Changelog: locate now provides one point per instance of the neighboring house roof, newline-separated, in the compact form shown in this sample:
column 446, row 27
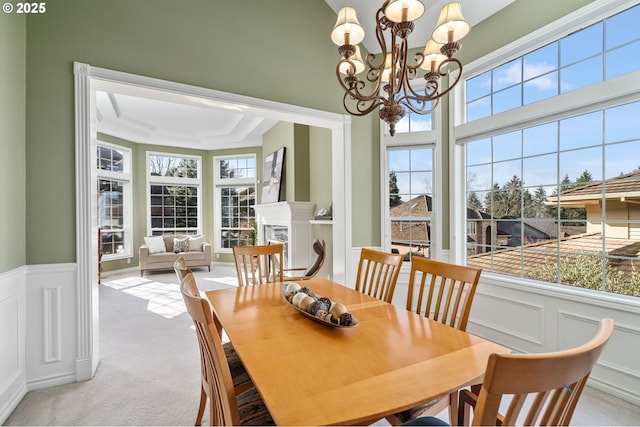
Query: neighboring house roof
column 419, row 206
column 624, row 187
column 409, row 220
column 519, row 230
column 533, row 255
column 511, row 226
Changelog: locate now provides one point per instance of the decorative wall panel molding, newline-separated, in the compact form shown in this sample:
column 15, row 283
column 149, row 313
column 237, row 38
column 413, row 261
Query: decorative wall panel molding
column 13, row 384
column 52, row 319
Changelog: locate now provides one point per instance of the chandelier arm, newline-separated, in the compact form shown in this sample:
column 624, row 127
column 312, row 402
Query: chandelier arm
column 406, row 73
column 432, row 86
column 360, row 109
column 455, row 82
column 375, row 71
column 352, row 85
column 435, row 102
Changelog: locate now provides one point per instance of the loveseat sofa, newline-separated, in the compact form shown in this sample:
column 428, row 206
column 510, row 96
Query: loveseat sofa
column 160, row 252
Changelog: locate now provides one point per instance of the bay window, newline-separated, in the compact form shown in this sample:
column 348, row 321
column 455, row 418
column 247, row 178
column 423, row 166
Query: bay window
column 234, row 198
column 174, row 192
column 113, row 172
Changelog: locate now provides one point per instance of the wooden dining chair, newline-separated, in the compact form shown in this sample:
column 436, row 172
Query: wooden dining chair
column 378, row 273
column 550, row 383
column 225, row 407
column 181, row 268
column 256, row 265
column 443, row 292
column 239, row 375
column 309, row 272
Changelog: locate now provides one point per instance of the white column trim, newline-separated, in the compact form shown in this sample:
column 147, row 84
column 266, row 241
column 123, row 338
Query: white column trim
column 87, row 327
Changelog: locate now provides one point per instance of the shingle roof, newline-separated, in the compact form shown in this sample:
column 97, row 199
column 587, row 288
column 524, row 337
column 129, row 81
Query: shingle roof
column 419, row 206
column 627, row 185
column 414, row 228
column 509, row 260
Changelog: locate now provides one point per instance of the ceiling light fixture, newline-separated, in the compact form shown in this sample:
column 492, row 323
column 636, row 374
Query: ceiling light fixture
column 389, row 79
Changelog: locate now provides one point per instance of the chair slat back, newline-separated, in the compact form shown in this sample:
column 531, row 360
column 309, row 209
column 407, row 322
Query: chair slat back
column 444, row 291
column 554, row 380
column 378, row 273
column 257, row 265
column 216, row 376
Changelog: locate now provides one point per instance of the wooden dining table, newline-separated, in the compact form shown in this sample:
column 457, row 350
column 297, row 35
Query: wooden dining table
column 309, row 373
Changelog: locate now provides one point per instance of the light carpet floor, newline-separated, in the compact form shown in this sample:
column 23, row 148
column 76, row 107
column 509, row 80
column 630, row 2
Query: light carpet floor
column 149, row 373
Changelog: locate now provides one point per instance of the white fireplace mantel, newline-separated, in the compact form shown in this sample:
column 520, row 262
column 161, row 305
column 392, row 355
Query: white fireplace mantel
column 295, row 216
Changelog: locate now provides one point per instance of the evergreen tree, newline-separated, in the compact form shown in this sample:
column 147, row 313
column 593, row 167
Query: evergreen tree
column 474, row 202
column 584, row 178
column 394, row 191
column 507, row 200
column 539, row 197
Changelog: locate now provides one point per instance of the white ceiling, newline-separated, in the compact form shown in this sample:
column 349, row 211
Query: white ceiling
column 155, row 117
column 151, row 118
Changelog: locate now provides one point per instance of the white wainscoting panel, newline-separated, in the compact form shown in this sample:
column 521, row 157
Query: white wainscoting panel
column 13, row 383
column 52, row 323
column 533, row 318
column 51, row 335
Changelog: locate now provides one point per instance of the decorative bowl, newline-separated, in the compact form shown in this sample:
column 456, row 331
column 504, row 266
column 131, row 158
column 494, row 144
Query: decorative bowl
column 354, row 323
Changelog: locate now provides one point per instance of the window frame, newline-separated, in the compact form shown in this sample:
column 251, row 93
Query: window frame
column 218, row 184
column 617, row 91
column 166, row 180
column 126, row 178
column 428, row 139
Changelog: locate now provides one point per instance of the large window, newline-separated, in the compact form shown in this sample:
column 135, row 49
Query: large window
column 410, row 199
column 408, row 180
column 553, row 192
column 602, row 51
column 174, row 193
column 114, row 200
column 235, row 196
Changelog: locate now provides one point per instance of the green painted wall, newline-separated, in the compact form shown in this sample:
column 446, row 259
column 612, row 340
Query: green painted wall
column 320, row 154
column 277, row 50
column 302, row 176
column 12, row 141
column 281, row 135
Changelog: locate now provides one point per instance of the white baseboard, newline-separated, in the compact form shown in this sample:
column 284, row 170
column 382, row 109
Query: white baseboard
column 85, row 369
column 9, row 403
column 51, row 381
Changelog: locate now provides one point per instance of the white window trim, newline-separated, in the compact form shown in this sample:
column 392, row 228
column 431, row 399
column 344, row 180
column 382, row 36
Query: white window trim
column 430, row 139
column 165, row 180
column 612, row 92
column 218, row 183
column 126, row 177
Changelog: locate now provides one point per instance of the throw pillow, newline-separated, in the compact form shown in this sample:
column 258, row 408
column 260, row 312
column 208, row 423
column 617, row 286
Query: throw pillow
column 155, row 244
column 180, row 245
column 195, row 243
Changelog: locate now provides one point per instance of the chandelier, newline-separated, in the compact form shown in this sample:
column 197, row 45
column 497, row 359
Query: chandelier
column 389, row 80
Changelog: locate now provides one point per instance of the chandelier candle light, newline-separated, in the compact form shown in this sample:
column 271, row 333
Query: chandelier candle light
column 390, row 77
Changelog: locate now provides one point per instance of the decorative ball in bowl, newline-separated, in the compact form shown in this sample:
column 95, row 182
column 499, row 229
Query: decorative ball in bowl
column 318, row 308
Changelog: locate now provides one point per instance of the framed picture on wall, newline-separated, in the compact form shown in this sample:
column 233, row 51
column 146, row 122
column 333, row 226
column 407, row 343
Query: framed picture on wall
column 272, row 176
